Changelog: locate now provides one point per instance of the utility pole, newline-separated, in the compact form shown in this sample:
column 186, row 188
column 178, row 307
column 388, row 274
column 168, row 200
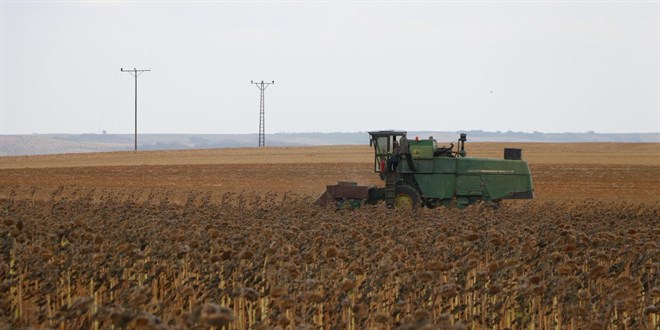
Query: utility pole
column 135, row 73
column 262, row 121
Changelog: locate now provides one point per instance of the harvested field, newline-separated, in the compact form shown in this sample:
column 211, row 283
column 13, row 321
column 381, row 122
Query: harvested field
column 227, row 238
column 603, row 171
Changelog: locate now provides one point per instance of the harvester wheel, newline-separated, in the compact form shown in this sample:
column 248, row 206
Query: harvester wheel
column 406, row 198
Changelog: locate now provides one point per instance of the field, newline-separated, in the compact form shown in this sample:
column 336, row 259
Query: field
column 228, row 238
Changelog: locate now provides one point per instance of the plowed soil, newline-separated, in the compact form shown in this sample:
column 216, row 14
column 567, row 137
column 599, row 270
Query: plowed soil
column 602, row 171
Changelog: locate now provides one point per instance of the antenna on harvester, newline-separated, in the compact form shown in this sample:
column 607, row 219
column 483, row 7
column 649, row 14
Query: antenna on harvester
column 135, row 73
column 262, row 122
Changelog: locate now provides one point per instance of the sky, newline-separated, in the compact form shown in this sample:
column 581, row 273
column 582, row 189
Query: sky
column 338, row 66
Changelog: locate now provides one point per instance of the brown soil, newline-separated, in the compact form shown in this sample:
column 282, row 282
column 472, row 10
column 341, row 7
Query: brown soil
column 603, row 171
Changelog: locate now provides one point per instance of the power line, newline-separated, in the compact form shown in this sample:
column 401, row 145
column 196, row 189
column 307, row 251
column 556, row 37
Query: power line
column 135, row 73
column 262, row 120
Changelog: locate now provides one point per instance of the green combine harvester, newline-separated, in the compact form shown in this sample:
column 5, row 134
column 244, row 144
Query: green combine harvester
column 419, row 173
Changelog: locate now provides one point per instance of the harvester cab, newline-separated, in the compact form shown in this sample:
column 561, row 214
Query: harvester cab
column 418, row 173
column 383, row 144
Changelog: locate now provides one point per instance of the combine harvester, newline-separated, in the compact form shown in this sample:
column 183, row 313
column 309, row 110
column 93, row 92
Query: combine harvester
column 417, row 172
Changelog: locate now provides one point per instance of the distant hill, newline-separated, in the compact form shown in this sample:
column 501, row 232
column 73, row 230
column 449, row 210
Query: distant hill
column 42, row 144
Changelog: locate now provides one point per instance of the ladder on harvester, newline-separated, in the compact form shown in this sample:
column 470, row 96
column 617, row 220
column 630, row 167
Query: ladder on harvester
column 390, row 188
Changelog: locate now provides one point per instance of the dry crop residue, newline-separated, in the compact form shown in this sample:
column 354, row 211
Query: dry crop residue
column 186, row 239
column 254, row 261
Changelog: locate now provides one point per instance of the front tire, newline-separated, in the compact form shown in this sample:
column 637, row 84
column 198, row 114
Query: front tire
column 406, row 198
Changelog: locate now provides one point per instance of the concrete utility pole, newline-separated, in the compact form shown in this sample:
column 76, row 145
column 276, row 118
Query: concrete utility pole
column 262, row 121
column 135, row 73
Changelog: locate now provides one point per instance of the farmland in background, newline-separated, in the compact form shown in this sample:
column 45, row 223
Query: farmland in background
column 228, row 238
column 606, row 171
column 43, row 144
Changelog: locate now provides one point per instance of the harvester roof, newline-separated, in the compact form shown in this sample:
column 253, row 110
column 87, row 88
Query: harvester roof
column 387, row 133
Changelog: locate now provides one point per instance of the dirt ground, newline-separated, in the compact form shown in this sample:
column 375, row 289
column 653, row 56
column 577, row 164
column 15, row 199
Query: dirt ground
column 561, row 171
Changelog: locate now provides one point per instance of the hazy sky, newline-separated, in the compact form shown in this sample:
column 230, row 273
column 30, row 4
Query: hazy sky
column 565, row 66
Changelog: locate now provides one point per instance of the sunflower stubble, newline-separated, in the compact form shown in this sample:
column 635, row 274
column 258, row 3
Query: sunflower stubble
column 271, row 260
